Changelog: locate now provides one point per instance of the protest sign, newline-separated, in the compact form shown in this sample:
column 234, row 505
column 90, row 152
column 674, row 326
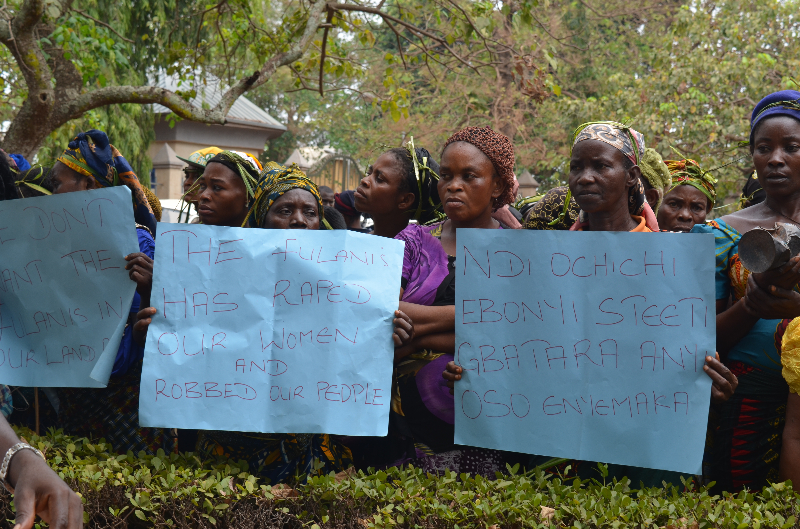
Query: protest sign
column 586, row 345
column 65, row 295
column 279, row 331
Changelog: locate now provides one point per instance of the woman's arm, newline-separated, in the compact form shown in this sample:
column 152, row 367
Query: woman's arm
column 430, row 320
column 444, row 342
column 37, row 489
column 790, row 448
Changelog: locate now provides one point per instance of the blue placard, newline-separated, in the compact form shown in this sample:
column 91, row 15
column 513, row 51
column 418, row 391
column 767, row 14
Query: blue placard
column 586, row 345
column 278, row 331
column 65, row 295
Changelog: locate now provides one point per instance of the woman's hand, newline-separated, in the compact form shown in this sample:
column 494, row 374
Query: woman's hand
column 140, row 270
column 773, row 303
column 451, row 374
column 39, row 490
column 143, row 319
column 403, row 329
column 723, row 381
column 786, row 277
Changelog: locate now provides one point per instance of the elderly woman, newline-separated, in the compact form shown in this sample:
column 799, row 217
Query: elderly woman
column 605, row 180
column 751, row 447
column 690, row 198
column 90, row 162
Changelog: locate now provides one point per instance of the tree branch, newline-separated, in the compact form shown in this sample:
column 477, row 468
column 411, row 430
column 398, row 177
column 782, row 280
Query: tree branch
column 407, row 25
column 328, row 20
column 81, row 13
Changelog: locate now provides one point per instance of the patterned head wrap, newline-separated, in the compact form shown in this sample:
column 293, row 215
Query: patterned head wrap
column 245, row 166
column 688, row 173
column 624, row 139
column 656, row 173
column 500, row 151
column 782, row 103
column 92, row 155
column 545, row 214
column 198, row 159
column 621, row 137
column 275, row 180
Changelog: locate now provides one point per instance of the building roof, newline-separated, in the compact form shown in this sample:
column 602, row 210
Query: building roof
column 526, row 179
column 307, row 157
column 243, row 111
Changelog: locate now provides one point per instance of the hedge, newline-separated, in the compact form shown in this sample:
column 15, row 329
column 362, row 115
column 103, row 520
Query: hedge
column 184, row 491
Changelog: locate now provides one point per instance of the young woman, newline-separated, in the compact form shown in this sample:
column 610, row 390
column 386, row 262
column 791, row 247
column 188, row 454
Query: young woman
column 690, row 198
column 399, row 186
column 89, row 162
column 605, row 180
column 37, row 489
column 753, row 311
column 281, row 198
column 476, row 177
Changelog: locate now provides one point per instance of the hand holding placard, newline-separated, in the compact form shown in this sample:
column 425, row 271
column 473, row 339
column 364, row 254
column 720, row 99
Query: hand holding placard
column 64, row 293
column 585, row 345
column 278, row 331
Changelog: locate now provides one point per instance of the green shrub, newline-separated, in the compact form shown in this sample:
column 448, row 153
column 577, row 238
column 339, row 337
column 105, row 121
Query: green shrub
column 184, row 491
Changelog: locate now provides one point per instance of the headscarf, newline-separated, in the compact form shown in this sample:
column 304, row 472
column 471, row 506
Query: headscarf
column 782, row 103
column 688, row 173
column 656, row 173
column 241, row 164
column 22, row 164
column 423, row 183
column 154, row 202
column 92, row 155
column 35, row 178
column 198, row 159
column 545, row 214
column 630, row 143
column 621, row 137
column 345, row 203
column 752, row 192
column 500, row 151
column 274, row 181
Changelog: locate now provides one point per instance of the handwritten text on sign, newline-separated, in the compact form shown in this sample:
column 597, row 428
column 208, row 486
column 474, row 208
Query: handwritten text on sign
column 64, row 293
column 586, row 345
column 281, row 331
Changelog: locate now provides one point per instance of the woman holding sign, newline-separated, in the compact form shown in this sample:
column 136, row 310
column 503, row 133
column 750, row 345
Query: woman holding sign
column 605, row 180
column 281, row 198
column 89, row 162
column 476, row 177
column 753, row 311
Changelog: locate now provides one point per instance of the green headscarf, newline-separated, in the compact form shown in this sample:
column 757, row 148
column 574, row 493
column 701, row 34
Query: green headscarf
column 274, row 181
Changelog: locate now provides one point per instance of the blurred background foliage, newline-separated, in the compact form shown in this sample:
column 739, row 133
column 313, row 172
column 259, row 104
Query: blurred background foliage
column 684, row 73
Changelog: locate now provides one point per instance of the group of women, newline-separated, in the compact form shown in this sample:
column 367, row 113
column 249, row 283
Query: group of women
column 615, row 184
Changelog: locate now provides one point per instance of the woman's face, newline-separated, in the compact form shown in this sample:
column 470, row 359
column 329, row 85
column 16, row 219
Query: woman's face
column 776, row 155
column 682, row 208
column 379, row 191
column 598, row 178
column 221, row 197
column 297, row 209
column 188, row 182
column 468, row 184
column 66, row 180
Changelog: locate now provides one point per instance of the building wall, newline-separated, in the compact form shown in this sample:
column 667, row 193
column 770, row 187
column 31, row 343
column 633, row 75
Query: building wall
column 187, row 136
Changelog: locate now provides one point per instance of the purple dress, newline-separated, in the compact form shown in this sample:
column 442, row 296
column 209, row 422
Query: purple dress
column 422, row 407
